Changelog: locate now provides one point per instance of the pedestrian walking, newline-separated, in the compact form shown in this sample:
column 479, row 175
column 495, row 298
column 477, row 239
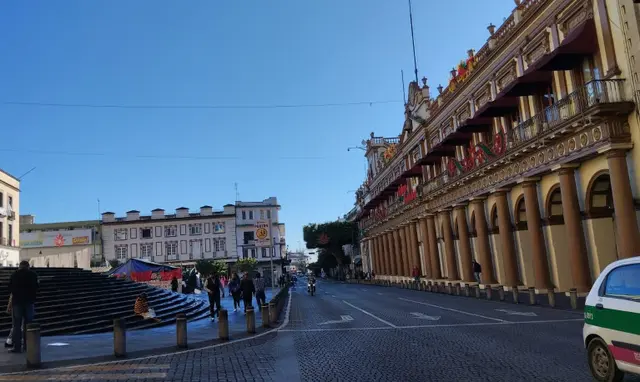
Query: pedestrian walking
column 416, row 274
column 259, row 287
column 235, row 291
column 477, row 270
column 247, row 288
column 214, row 288
column 23, row 287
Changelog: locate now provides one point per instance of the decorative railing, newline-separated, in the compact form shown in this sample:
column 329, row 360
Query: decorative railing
column 544, row 123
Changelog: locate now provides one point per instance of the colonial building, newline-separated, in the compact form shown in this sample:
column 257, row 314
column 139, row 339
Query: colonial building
column 247, row 214
column 64, row 244
column 9, row 224
column 524, row 162
column 180, row 238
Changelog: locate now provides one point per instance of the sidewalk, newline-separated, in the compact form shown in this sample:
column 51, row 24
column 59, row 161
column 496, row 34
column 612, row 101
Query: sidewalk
column 72, row 349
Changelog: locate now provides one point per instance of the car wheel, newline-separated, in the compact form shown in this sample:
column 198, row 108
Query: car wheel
column 601, row 363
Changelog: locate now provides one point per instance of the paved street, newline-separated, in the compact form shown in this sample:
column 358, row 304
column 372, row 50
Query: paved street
column 367, row 333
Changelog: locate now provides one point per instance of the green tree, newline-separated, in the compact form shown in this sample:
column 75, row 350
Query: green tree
column 211, row 267
column 247, row 265
column 329, row 239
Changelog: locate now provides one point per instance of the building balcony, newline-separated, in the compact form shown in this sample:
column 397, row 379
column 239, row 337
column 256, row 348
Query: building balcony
column 594, row 102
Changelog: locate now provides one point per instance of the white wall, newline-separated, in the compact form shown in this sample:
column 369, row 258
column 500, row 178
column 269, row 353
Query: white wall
column 10, row 187
column 247, row 214
column 200, row 246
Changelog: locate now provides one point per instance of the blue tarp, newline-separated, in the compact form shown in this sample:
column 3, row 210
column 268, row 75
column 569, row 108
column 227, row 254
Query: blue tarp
column 138, row 265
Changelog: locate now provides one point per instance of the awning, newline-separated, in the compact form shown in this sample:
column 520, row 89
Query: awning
column 580, row 42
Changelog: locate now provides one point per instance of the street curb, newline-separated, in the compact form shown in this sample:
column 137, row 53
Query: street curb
column 146, row 354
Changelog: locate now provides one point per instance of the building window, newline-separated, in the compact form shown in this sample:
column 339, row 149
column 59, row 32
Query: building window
column 183, row 229
column 252, row 253
column 10, row 234
column 134, row 233
column 261, row 214
column 171, row 231
column 134, row 250
column 264, row 252
column 183, row 246
column 248, row 237
column 145, row 233
column 158, row 231
column 250, row 215
column 1, row 199
column 268, row 214
column 244, row 213
column 195, row 229
column 220, row 245
column 146, row 249
column 120, row 234
column 207, row 228
column 171, row 248
column 10, row 201
column 158, row 248
column 121, row 251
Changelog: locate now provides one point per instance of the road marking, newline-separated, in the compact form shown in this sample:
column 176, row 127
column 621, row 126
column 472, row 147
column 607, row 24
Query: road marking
column 423, row 316
column 334, row 296
column 515, row 313
column 370, row 314
column 342, row 319
column 453, row 310
column 58, row 344
column 506, row 323
column 380, row 294
column 84, row 377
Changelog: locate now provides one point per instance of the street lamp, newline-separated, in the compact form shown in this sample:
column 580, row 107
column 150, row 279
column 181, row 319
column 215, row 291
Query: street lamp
column 357, row 147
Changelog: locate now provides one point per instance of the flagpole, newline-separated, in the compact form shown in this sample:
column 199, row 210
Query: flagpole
column 413, row 43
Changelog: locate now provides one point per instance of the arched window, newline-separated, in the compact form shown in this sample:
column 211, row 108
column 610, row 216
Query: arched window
column 472, row 225
column 521, row 214
column 494, row 220
column 600, row 196
column 554, row 206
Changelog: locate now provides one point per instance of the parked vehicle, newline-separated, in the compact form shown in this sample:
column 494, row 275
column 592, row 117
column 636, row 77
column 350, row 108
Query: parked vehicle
column 611, row 330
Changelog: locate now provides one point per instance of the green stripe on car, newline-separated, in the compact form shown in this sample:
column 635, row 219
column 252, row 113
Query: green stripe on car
column 619, row 320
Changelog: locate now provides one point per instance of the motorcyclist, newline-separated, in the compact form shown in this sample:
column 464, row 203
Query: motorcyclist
column 312, row 282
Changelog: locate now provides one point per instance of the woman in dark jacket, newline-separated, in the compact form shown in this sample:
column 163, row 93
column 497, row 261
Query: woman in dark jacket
column 247, row 288
column 235, row 291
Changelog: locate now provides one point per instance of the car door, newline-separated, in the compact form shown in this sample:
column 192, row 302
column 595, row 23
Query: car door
column 617, row 312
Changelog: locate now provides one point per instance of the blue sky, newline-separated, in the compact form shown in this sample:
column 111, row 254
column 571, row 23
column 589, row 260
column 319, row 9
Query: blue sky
column 223, row 53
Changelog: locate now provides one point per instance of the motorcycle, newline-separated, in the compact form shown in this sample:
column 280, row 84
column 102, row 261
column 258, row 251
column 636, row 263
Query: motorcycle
column 311, row 287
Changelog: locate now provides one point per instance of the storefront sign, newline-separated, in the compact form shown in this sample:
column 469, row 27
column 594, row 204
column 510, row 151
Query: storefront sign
column 56, row 238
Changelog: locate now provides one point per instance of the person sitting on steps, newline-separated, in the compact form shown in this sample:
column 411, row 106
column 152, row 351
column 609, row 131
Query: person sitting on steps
column 141, row 308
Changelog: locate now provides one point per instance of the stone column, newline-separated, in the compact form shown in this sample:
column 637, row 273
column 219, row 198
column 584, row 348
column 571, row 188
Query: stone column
column 483, row 249
column 436, row 273
column 625, row 213
column 450, row 250
column 398, row 252
column 415, row 252
column 576, row 244
column 388, row 248
column 404, row 243
column 506, row 238
column 424, row 232
column 383, row 258
column 465, row 247
column 534, row 226
column 378, row 254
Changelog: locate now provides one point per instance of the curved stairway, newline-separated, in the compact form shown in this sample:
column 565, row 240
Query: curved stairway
column 77, row 301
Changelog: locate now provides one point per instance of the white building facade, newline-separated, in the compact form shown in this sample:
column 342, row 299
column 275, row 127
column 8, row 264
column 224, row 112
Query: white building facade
column 247, row 214
column 179, row 239
column 9, row 221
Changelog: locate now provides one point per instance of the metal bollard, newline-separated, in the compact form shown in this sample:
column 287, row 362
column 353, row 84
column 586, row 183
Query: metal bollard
column 514, row 292
column 477, row 288
column 32, row 345
column 487, row 289
column 573, row 295
column 449, row 288
column 443, row 287
column 501, row 292
column 532, row 296
column 181, row 330
column 428, row 286
column 458, row 290
column 264, row 313
column 251, row 320
column 119, row 338
column 223, row 325
column 467, row 292
column 273, row 313
column 551, row 295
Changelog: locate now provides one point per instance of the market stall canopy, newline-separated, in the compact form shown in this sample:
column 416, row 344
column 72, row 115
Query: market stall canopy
column 138, row 266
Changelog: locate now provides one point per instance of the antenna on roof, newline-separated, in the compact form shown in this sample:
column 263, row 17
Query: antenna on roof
column 413, row 43
column 404, row 94
column 237, row 195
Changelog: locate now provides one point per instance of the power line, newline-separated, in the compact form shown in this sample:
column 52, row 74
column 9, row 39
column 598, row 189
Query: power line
column 193, row 107
column 155, row 156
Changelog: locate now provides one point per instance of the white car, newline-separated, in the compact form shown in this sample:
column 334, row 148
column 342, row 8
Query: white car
column 611, row 330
